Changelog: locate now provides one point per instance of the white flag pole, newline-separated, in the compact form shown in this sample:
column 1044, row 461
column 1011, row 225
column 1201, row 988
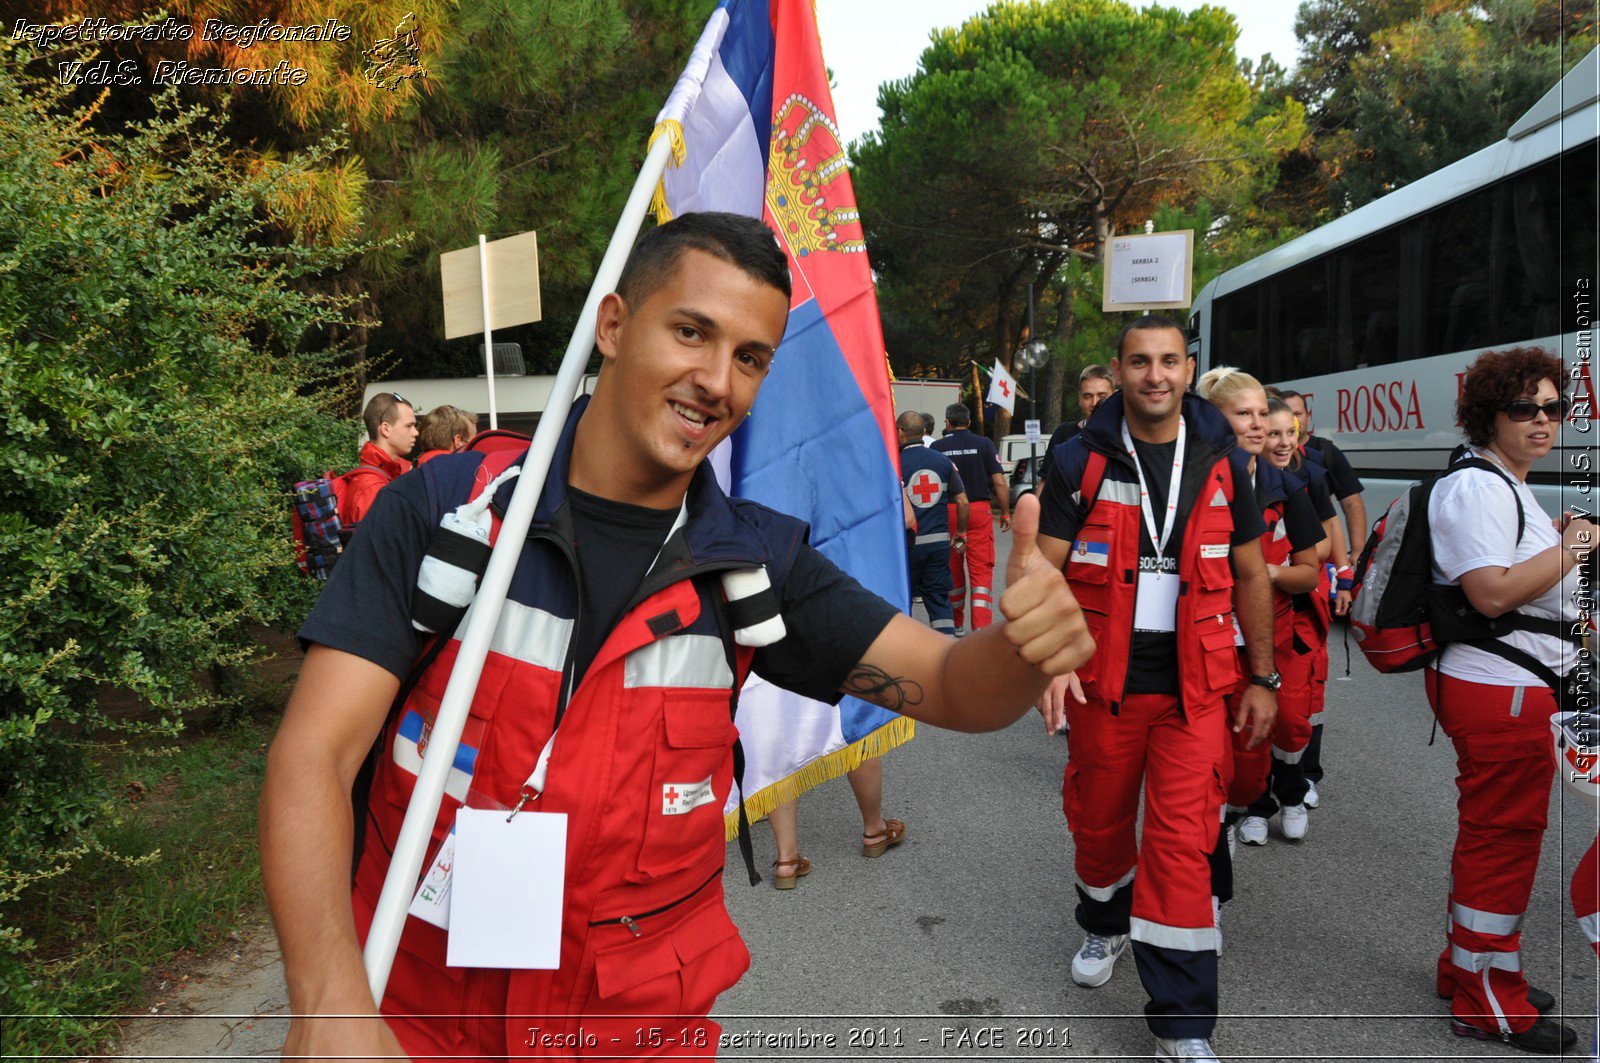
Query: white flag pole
column 398, row 886
column 488, row 330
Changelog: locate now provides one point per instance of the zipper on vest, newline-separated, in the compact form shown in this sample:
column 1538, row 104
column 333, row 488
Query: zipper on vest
column 632, row 921
column 569, row 665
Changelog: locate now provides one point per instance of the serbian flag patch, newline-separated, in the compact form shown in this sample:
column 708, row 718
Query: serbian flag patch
column 1087, row 552
column 411, row 743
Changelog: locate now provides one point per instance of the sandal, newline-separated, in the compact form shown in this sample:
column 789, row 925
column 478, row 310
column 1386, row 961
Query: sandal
column 892, row 834
column 802, row 868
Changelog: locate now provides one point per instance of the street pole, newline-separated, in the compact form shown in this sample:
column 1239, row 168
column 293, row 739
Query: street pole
column 1033, row 390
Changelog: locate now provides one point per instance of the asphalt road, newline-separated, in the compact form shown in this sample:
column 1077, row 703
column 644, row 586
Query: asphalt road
column 958, row 943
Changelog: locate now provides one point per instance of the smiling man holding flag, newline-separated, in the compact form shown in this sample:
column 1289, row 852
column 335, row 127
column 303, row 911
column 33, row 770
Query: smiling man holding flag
column 598, row 753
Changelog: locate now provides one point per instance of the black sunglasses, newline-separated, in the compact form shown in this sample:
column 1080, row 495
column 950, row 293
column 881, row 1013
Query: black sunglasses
column 396, row 396
column 1526, row 410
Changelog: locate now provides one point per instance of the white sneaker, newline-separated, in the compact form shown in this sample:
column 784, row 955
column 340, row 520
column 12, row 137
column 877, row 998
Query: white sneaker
column 1311, row 794
column 1094, row 961
column 1185, row 1048
column 1253, row 830
column 1295, row 820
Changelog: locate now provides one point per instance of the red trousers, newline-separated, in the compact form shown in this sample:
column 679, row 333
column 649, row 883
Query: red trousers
column 977, row 561
column 1179, row 755
column 1504, row 768
column 1278, row 758
column 1586, row 894
column 625, row 995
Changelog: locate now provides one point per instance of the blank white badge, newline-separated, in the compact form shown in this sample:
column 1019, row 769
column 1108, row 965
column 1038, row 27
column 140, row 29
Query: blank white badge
column 506, row 893
column 1156, row 607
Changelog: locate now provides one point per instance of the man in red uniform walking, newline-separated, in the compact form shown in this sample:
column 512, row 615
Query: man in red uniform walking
column 391, row 434
column 615, row 715
column 1151, row 512
column 972, row 568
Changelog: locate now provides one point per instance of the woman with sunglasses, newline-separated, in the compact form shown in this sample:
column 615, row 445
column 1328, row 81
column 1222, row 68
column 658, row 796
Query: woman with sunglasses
column 1497, row 712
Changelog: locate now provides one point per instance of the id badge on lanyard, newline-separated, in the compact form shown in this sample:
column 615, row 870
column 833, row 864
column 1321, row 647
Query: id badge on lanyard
column 1156, row 601
column 497, row 885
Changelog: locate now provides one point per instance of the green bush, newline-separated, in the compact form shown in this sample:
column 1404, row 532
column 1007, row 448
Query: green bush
column 160, row 388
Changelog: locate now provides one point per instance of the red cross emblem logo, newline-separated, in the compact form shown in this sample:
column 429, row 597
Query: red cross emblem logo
column 1005, row 388
column 672, row 795
column 925, row 488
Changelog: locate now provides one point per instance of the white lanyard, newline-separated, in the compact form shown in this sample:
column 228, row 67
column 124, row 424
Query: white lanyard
column 1176, row 482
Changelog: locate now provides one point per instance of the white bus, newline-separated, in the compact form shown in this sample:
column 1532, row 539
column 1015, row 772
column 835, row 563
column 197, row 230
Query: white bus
column 1375, row 317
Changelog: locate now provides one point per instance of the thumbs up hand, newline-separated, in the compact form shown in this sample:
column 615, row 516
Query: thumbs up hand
column 1043, row 620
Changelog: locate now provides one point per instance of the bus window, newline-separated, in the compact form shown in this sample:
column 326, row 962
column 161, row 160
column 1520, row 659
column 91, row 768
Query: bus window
column 1369, row 310
column 1530, row 298
column 1304, row 343
column 1236, row 330
column 1580, row 258
column 1458, row 290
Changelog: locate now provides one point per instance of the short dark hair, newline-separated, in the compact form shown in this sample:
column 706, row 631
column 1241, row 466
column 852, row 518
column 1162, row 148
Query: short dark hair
column 1150, row 321
column 957, row 414
column 1289, row 393
column 380, row 411
column 736, row 239
column 909, row 421
column 1498, row 378
column 927, row 424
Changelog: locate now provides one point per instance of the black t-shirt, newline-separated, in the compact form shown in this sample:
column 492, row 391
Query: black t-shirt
column 1321, row 500
column 1153, row 656
column 1064, row 431
column 365, row 607
column 1300, row 520
column 1342, row 477
column 616, row 544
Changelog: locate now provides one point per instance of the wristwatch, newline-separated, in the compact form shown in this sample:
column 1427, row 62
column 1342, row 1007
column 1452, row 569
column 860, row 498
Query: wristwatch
column 1272, row 680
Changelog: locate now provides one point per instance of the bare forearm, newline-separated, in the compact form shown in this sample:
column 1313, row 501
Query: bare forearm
column 1355, row 515
column 985, row 685
column 1252, row 603
column 1294, row 578
column 1493, row 592
column 306, row 834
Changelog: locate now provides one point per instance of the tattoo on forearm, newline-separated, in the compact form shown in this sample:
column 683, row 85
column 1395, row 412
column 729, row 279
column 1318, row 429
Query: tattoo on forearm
column 873, row 684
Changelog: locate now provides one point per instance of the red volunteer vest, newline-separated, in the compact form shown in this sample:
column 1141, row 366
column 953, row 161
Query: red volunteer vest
column 1102, row 569
column 642, row 765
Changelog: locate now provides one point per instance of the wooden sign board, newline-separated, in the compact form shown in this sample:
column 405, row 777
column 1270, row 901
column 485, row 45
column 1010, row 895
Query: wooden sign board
column 1153, row 271
column 513, row 285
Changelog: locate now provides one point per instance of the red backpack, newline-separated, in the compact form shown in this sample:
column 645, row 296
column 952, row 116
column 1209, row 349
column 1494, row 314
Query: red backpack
column 320, row 528
column 1402, row 620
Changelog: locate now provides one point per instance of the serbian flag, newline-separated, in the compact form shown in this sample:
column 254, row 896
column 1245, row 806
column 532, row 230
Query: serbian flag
column 752, row 128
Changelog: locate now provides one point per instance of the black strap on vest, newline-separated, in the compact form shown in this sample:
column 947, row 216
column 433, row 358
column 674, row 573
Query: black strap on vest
column 719, row 609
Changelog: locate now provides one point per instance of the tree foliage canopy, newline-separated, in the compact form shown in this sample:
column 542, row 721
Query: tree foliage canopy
column 1029, row 135
column 157, row 396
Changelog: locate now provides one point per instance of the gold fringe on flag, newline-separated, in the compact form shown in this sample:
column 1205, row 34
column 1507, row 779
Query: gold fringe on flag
column 759, row 805
column 673, row 129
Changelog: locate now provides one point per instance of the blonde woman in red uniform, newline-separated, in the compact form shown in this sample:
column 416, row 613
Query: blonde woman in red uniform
column 1263, row 778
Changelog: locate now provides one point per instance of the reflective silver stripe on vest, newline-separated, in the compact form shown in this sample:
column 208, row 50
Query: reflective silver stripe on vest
column 1105, row 893
column 526, row 634
column 1591, row 927
column 1481, row 922
column 1219, row 499
column 679, row 661
column 1183, row 938
column 1120, row 492
column 933, row 537
column 1283, row 756
column 1483, row 961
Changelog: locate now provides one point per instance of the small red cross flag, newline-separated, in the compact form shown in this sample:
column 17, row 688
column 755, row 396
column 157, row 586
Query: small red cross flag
column 1003, row 388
